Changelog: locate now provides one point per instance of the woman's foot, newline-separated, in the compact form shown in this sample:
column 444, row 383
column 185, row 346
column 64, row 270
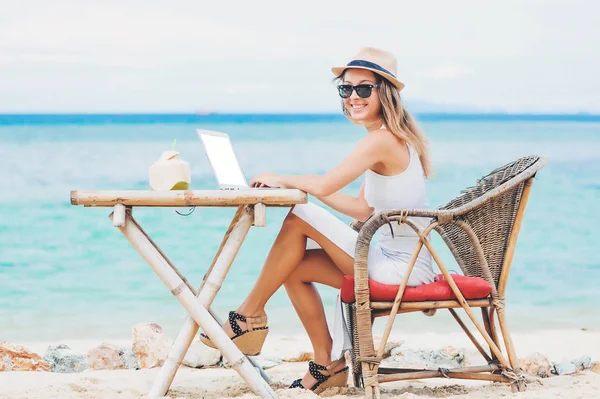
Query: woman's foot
column 320, row 377
column 248, row 333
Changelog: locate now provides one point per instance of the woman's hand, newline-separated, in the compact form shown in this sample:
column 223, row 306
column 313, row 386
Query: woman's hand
column 267, row 179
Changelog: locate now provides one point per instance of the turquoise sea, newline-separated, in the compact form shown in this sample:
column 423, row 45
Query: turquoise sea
column 67, row 273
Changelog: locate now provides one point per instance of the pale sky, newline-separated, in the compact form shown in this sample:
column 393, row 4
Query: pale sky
column 275, row 56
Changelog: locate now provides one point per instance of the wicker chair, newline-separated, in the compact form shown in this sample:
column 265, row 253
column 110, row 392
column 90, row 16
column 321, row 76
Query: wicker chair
column 480, row 227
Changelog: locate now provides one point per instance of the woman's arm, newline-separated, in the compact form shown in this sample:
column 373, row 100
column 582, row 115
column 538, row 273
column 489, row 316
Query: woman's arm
column 369, row 151
column 355, row 207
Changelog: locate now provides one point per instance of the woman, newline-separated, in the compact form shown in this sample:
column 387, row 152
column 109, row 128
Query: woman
column 393, row 155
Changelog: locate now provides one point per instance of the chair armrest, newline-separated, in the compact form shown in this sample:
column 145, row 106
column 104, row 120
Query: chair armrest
column 431, row 213
column 357, row 224
column 365, row 235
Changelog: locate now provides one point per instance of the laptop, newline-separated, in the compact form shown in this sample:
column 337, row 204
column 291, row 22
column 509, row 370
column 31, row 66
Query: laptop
column 224, row 162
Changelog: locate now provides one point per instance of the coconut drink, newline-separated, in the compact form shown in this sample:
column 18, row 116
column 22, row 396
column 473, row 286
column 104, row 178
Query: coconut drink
column 170, row 172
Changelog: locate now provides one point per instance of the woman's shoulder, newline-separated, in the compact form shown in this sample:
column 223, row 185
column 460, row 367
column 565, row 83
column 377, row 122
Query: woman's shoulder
column 388, row 139
column 384, row 137
column 386, row 144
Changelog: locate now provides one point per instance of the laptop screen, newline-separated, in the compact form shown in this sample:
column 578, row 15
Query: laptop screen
column 222, row 159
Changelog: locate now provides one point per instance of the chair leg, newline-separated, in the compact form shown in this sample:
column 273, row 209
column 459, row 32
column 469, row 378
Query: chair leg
column 371, row 383
column 518, row 385
column 357, row 376
column 367, row 354
column 488, row 322
column 355, row 355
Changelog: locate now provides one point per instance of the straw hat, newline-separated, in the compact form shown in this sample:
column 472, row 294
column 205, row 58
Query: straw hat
column 375, row 60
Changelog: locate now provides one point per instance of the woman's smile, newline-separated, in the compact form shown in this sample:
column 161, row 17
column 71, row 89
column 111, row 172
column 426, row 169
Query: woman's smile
column 358, row 107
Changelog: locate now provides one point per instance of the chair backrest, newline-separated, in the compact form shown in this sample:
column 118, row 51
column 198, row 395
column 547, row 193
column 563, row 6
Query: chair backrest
column 490, row 209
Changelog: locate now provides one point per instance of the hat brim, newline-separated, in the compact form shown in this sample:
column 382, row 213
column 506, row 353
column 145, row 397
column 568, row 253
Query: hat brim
column 337, row 71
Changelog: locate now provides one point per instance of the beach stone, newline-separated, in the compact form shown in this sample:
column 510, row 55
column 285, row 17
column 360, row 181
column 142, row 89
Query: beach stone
column 63, row 359
column 536, row 364
column 130, row 360
column 150, row 344
column 472, row 357
column 389, row 347
column 396, row 351
column 105, row 357
column 18, row 358
column 301, row 357
column 564, row 368
column 595, row 368
column 582, row 363
column 200, row 355
column 451, row 352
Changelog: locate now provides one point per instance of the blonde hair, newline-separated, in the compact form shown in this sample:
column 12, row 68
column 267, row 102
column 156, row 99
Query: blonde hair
column 399, row 121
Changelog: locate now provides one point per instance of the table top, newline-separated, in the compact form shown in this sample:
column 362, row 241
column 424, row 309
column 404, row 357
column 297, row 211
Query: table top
column 183, row 198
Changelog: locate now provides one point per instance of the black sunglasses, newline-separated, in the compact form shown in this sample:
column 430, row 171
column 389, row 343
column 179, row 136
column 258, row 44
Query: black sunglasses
column 363, row 91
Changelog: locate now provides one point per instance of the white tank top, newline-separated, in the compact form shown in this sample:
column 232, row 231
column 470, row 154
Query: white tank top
column 406, row 190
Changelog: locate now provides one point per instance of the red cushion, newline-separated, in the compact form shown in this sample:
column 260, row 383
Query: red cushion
column 439, row 290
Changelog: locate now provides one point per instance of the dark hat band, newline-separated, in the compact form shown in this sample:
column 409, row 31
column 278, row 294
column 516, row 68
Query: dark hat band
column 368, row 64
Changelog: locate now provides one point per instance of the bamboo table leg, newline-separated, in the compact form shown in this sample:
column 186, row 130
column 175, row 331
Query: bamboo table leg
column 172, row 279
column 213, row 279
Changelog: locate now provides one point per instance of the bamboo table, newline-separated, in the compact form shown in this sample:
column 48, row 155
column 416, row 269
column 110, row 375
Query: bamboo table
column 251, row 210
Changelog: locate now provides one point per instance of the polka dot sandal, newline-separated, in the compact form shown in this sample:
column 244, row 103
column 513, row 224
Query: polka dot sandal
column 249, row 341
column 327, row 380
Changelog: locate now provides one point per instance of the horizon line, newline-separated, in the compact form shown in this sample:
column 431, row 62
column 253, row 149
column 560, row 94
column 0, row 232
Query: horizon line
column 93, row 118
column 276, row 113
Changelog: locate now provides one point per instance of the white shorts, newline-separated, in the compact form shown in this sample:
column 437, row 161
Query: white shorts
column 384, row 266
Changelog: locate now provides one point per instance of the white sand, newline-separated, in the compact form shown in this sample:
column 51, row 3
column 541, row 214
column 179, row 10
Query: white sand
column 220, row 382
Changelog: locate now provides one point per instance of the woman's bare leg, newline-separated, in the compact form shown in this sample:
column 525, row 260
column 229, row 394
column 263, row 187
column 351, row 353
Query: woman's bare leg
column 287, row 252
column 315, row 267
column 285, row 255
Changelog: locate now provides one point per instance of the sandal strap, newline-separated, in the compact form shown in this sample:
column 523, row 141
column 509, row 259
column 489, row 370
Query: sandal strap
column 297, row 384
column 334, row 364
column 256, row 322
column 233, row 317
column 314, row 370
column 251, row 322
